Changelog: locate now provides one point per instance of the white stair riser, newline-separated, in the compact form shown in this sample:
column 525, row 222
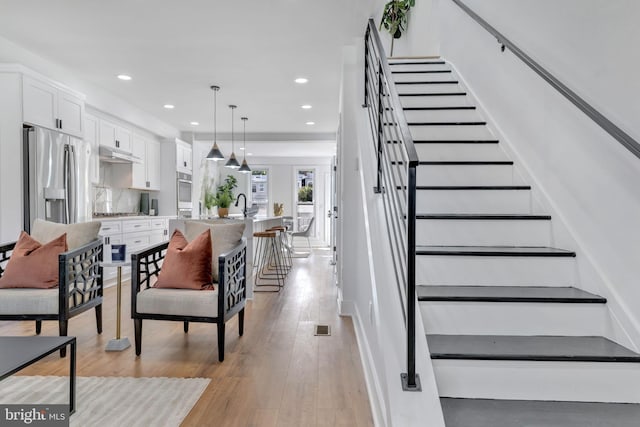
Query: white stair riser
column 483, row 232
column 419, row 67
column 450, row 132
column 522, row 380
column 429, row 88
column 508, row 318
column 496, row 271
column 474, row 201
column 460, row 152
column 424, row 77
column 433, row 101
column 465, row 175
column 442, row 115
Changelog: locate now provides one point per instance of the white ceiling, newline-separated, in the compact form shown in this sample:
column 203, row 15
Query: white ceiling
column 175, row 50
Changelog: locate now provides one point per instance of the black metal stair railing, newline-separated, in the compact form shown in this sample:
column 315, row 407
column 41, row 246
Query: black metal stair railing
column 396, row 182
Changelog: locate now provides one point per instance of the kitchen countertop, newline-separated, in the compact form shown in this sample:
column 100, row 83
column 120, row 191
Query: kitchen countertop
column 127, row 217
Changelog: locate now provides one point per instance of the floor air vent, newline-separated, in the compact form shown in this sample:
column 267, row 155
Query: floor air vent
column 323, row 330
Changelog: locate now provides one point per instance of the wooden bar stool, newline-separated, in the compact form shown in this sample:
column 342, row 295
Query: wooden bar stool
column 268, row 262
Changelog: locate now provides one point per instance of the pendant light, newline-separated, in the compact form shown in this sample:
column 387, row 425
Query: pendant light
column 232, row 162
column 215, row 153
column 245, row 166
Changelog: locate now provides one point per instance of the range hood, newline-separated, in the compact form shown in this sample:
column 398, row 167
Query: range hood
column 114, row 155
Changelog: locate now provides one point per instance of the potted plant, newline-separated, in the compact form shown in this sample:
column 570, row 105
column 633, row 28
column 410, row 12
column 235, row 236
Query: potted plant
column 394, row 18
column 224, row 196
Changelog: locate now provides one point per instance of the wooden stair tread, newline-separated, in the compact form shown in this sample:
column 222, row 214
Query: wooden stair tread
column 496, row 217
column 530, row 348
column 547, row 294
column 512, row 413
column 519, row 251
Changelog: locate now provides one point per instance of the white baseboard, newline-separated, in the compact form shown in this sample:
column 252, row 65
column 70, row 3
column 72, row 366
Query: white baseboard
column 374, row 389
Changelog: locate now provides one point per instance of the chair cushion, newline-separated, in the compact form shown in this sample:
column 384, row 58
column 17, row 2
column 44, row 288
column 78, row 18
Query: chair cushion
column 32, row 264
column 186, row 265
column 78, row 234
column 178, row 302
column 29, row 301
column 224, row 237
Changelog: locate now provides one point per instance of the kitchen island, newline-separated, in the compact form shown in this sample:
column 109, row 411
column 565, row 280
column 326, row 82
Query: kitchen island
column 251, row 226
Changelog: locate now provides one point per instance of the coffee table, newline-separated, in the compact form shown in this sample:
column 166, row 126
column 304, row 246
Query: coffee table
column 16, row 353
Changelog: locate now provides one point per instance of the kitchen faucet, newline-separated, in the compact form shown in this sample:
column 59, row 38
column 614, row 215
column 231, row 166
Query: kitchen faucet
column 244, row 211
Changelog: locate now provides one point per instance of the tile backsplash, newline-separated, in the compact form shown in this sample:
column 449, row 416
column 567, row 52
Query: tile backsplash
column 110, row 200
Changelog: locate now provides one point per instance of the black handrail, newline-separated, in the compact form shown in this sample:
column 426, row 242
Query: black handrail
column 397, row 160
column 606, row 124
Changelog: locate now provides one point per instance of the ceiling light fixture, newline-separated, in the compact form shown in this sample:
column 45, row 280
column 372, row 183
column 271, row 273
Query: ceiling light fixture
column 245, row 166
column 306, row 107
column 169, row 106
column 215, row 153
column 232, row 162
column 124, row 77
column 194, row 123
column 301, row 80
column 310, row 123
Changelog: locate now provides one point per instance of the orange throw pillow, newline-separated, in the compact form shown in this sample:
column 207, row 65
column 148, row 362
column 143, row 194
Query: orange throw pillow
column 32, row 264
column 186, row 265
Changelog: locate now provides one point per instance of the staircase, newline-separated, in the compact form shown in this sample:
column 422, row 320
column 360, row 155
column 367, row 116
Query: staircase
column 513, row 339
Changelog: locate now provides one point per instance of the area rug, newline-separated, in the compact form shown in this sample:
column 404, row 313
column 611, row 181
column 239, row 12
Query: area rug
column 111, row 401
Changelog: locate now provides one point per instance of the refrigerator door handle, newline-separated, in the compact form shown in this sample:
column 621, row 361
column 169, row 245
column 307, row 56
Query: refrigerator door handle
column 73, row 199
column 66, row 179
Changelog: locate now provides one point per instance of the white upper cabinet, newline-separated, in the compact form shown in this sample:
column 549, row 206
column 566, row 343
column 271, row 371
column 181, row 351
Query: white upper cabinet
column 112, row 135
column 45, row 105
column 91, row 136
column 184, row 162
column 70, row 109
column 146, row 175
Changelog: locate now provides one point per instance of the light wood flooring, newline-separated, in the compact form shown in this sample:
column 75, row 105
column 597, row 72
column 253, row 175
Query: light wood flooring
column 277, row 374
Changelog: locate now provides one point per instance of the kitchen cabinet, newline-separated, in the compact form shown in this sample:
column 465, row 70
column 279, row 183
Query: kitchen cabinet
column 184, row 162
column 91, row 136
column 137, row 233
column 115, row 136
column 44, row 104
column 146, row 175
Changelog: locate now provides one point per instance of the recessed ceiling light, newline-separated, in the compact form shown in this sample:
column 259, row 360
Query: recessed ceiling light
column 301, row 80
column 169, row 106
column 194, row 123
column 311, row 123
column 306, row 107
column 242, row 148
column 124, row 77
column 249, row 154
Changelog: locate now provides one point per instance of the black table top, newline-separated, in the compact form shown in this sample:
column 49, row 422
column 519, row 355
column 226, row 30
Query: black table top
column 19, row 352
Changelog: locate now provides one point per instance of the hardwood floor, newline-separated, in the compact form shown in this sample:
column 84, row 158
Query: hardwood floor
column 277, row 374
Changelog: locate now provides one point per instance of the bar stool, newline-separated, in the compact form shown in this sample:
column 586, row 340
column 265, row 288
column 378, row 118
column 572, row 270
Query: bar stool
column 267, row 259
column 283, row 245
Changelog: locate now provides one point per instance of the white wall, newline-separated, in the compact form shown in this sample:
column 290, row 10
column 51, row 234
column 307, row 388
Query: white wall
column 367, row 289
column 421, row 37
column 581, row 175
column 590, row 45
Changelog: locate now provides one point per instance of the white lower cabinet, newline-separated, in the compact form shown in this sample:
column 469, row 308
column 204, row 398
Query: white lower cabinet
column 137, row 234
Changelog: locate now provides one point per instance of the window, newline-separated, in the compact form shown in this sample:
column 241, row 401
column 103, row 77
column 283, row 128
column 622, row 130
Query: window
column 305, row 206
column 260, row 190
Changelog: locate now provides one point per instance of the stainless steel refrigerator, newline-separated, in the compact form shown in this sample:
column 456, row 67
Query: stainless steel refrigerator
column 56, row 177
